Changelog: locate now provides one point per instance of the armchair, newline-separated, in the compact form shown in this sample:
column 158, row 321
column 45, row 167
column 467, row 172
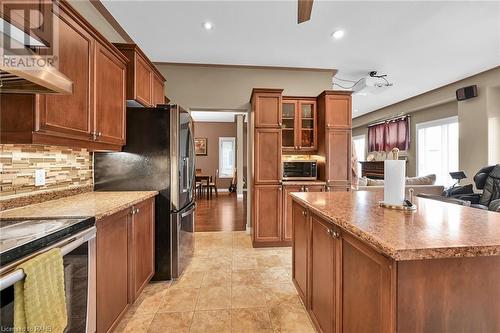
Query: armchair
column 488, row 180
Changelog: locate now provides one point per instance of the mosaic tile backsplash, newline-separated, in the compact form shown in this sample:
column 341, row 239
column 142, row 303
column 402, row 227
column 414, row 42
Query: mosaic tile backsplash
column 64, row 168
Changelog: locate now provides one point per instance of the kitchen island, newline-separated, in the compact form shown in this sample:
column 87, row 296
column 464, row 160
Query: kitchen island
column 359, row 267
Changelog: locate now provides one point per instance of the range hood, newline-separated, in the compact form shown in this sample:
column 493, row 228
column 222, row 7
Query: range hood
column 34, row 80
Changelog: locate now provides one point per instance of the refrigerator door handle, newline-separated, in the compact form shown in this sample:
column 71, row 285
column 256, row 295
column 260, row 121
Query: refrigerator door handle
column 185, row 176
column 189, row 212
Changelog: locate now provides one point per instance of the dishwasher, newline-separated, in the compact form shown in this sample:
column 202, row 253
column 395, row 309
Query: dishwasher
column 23, row 239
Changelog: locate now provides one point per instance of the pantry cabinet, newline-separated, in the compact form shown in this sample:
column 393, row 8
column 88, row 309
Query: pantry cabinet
column 93, row 116
column 334, row 138
column 299, row 124
column 124, row 261
column 145, row 84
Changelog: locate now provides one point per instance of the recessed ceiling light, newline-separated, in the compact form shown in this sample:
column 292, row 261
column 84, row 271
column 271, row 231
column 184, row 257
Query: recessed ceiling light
column 338, row 34
column 208, row 25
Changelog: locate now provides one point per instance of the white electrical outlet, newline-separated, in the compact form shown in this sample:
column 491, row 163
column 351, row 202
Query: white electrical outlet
column 39, row 177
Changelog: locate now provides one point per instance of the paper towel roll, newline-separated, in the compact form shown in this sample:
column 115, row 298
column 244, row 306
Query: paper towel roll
column 394, row 182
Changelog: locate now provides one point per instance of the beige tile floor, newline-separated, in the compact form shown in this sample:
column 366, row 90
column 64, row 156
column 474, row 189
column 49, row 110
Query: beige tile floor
column 228, row 287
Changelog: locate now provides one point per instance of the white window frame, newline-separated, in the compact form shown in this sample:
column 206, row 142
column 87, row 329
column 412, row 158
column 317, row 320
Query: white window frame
column 431, row 123
column 233, row 140
column 364, row 137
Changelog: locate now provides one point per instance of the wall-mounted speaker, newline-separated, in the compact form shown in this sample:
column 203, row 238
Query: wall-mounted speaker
column 466, row 93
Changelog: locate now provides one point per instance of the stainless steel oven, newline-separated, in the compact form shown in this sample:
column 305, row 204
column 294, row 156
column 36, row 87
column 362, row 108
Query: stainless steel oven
column 79, row 253
column 300, row 170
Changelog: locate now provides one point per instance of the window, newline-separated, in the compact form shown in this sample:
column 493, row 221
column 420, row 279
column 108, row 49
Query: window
column 437, row 149
column 227, row 149
column 360, row 149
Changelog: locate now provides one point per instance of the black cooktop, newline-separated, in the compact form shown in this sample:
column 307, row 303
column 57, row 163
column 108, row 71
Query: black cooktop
column 21, row 237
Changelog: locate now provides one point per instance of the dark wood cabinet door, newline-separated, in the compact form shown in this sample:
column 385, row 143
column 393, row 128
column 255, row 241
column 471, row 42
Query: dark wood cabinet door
column 267, row 213
column 338, row 157
column 267, row 157
column 287, row 210
column 110, row 85
column 338, row 113
column 143, row 81
column 71, row 114
column 112, row 269
column 267, row 108
column 142, row 246
column 368, row 286
column 158, row 91
column 307, row 129
column 300, row 251
column 322, row 275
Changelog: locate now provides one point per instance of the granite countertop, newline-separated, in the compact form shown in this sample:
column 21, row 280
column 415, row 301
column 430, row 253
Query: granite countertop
column 303, row 182
column 435, row 230
column 96, row 204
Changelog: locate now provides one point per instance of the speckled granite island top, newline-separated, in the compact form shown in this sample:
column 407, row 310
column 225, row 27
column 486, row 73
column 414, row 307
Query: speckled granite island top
column 97, row 204
column 435, row 230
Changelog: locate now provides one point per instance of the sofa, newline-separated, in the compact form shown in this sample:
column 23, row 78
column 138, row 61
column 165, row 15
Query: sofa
column 420, row 185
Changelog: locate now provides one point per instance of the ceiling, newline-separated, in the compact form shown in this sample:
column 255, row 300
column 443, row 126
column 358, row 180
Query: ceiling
column 215, row 116
column 420, row 45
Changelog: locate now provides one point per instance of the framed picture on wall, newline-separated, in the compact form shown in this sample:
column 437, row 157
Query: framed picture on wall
column 200, row 146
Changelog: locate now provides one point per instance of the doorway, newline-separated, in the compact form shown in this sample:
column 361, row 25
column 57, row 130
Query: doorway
column 221, row 151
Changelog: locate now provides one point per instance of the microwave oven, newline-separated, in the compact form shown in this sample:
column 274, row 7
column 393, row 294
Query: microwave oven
column 300, row 170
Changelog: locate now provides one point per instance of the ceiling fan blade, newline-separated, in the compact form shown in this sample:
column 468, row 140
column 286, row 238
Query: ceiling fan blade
column 304, row 10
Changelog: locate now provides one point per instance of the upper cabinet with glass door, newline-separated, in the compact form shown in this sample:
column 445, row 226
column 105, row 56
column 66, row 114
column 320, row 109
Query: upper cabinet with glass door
column 299, row 124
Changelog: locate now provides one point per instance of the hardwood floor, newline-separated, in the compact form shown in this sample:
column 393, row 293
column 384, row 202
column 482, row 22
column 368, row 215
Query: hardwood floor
column 222, row 213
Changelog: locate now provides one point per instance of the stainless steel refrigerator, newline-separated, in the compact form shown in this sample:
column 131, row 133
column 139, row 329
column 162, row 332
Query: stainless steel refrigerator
column 158, row 155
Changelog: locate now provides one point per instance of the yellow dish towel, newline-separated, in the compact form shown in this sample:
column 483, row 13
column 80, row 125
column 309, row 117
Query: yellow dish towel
column 39, row 299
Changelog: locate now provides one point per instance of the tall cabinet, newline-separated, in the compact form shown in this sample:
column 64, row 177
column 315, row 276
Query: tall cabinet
column 267, row 193
column 334, row 138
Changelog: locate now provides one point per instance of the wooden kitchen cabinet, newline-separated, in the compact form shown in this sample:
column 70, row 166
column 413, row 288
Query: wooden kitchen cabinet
column 345, row 285
column 338, row 110
column 158, row 89
column 145, row 84
column 124, row 261
column 300, row 250
column 334, row 138
column 112, row 264
column 299, row 124
column 338, row 157
column 267, row 104
column 93, row 117
column 268, row 211
column 71, row 114
column 142, row 246
column 267, row 156
column 287, row 205
column 323, row 275
column 110, row 100
column 367, row 291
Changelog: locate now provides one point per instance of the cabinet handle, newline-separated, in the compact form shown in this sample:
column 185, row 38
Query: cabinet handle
column 137, row 210
column 306, row 189
column 304, row 212
column 329, row 231
column 335, row 234
column 99, row 134
column 279, row 188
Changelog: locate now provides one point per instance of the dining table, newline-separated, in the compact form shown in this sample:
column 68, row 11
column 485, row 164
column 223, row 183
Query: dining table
column 200, row 177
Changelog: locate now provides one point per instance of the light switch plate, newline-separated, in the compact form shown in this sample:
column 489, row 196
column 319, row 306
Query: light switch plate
column 39, row 177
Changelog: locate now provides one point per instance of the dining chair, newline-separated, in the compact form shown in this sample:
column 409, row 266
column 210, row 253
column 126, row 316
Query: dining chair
column 212, row 184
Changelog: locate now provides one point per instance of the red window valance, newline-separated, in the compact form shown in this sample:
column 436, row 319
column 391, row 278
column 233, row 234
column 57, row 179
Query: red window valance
column 394, row 133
